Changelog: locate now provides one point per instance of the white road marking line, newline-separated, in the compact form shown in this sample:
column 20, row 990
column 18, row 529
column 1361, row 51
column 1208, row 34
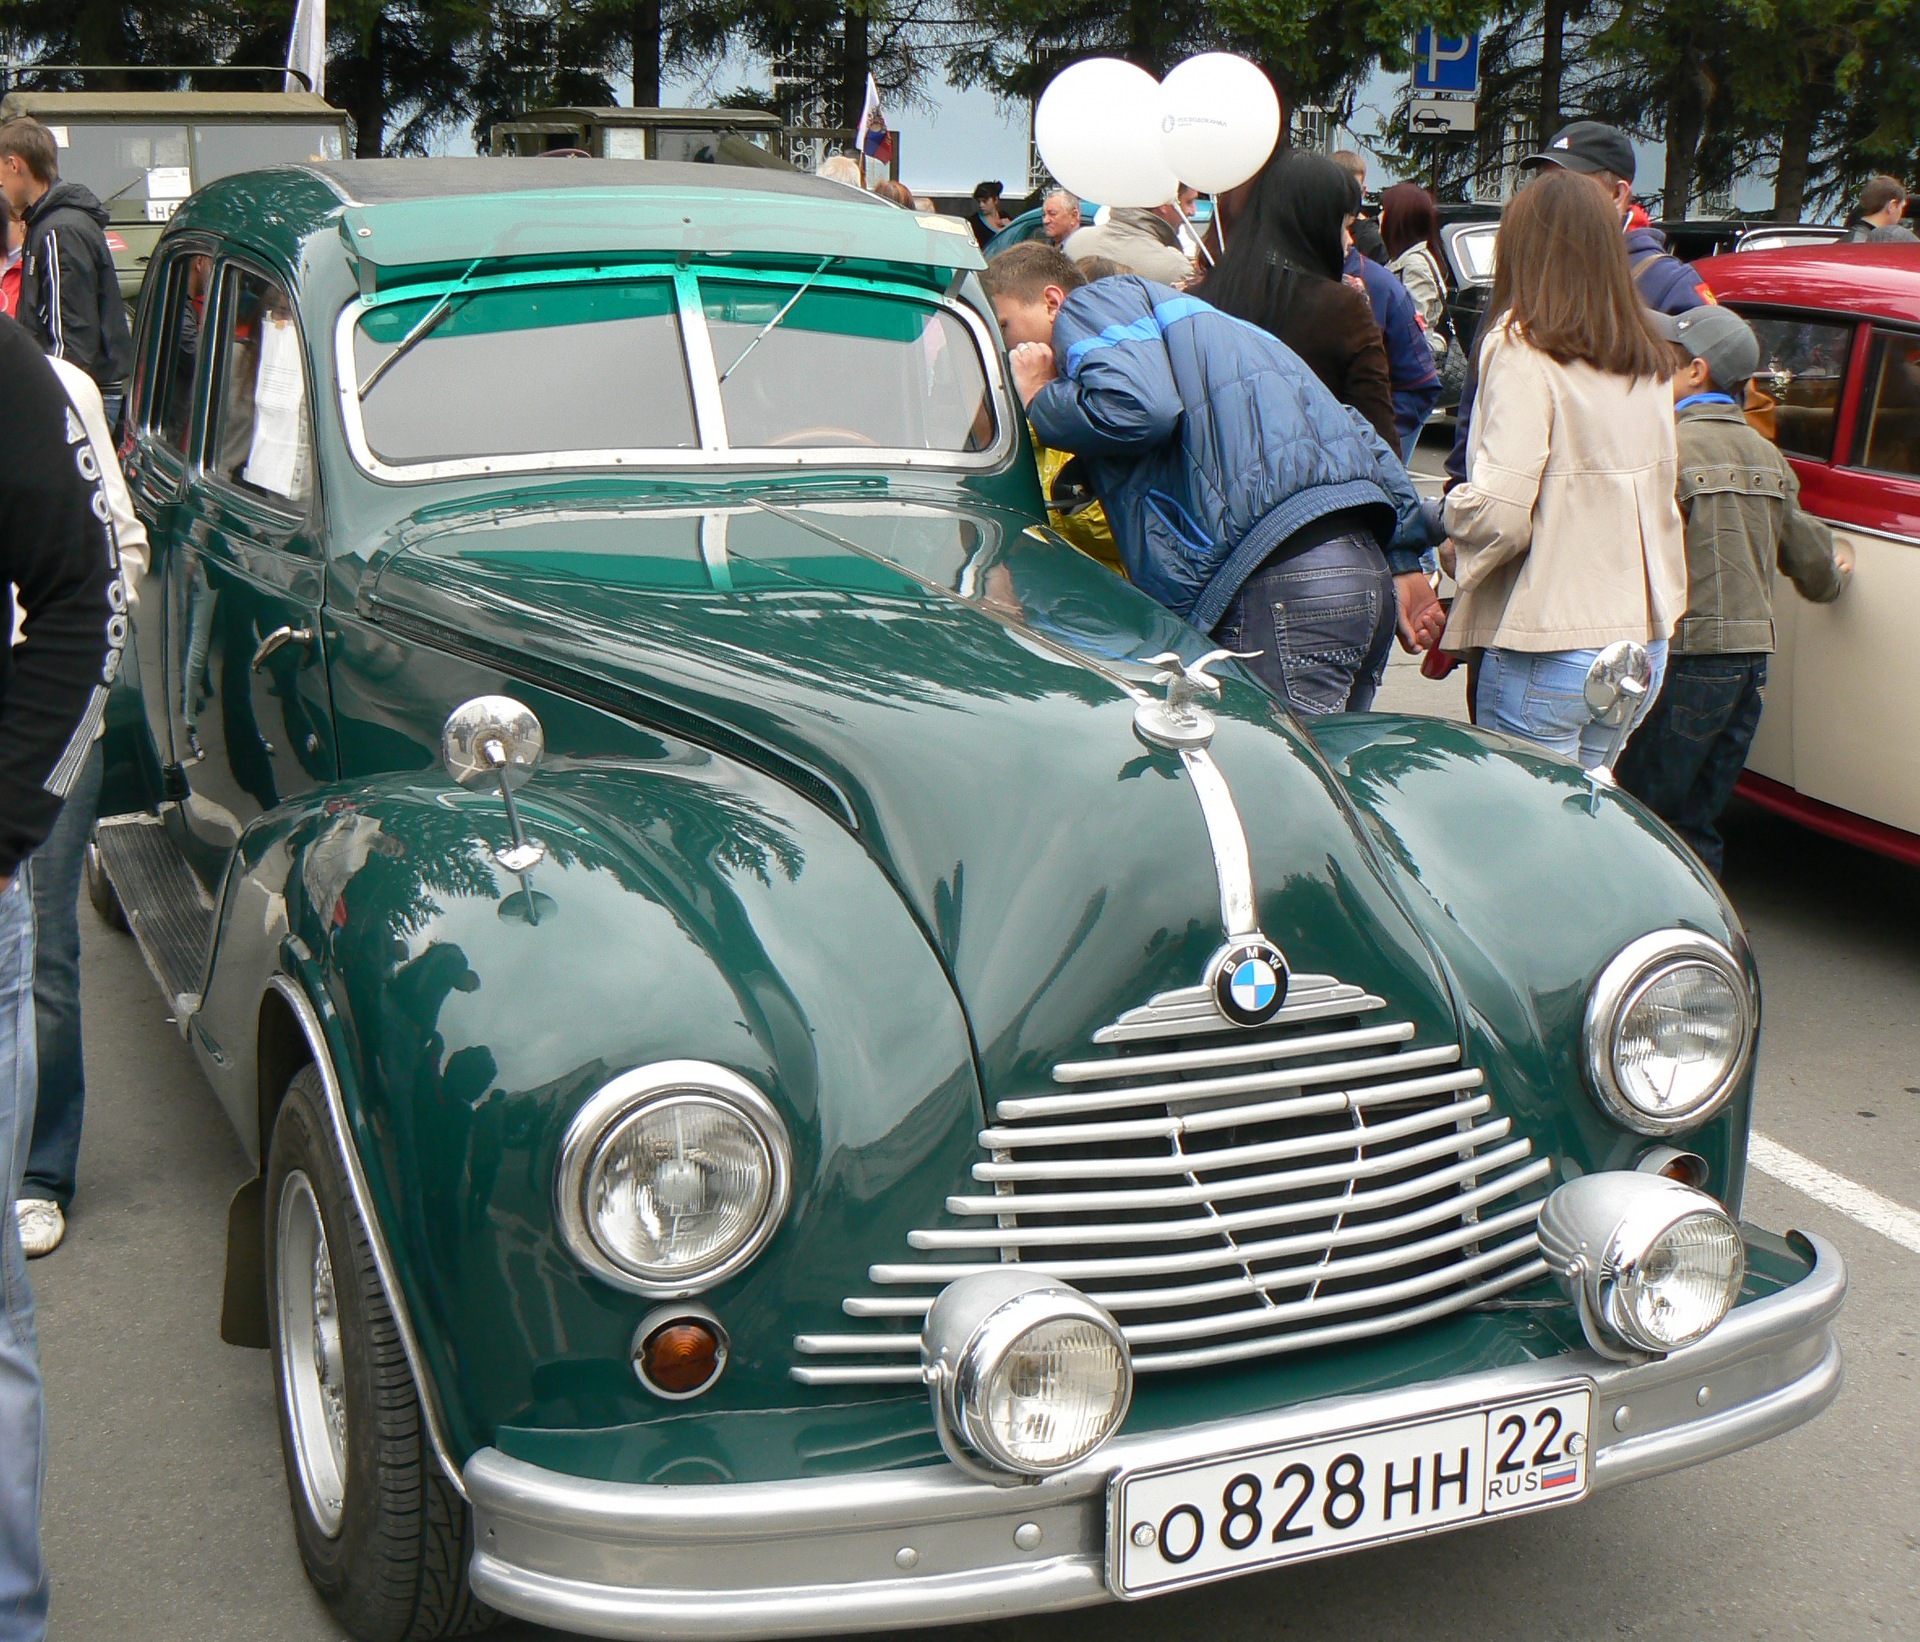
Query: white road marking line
column 1860, row 1204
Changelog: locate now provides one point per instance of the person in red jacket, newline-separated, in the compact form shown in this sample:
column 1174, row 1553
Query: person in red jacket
column 13, row 236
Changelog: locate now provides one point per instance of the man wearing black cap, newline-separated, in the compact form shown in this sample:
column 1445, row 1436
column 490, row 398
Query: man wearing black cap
column 1666, row 284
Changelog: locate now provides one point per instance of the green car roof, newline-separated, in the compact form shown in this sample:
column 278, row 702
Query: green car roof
column 395, row 215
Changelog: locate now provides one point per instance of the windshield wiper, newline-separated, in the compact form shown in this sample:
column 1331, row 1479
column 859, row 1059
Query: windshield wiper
column 422, row 328
column 786, row 309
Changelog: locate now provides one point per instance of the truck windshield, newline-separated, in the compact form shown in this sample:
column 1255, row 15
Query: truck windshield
column 224, row 147
column 597, row 373
column 140, row 172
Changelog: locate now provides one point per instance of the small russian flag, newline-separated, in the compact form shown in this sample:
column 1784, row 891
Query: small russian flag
column 1559, row 1476
column 876, row 141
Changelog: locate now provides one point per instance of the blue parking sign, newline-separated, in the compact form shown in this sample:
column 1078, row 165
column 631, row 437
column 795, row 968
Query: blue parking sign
column 1446, row 62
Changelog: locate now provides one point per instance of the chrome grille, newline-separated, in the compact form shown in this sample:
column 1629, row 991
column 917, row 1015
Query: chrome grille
column 1317, row 1180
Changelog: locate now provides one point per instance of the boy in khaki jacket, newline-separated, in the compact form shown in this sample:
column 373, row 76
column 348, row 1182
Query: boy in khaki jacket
column 1741, row 504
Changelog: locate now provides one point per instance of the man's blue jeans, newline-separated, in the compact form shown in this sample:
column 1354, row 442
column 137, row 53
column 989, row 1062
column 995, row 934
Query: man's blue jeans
column 1690, row 750
column 23, row 1432
column 1322, row 622
column 1540, row 697
column 55, row 1125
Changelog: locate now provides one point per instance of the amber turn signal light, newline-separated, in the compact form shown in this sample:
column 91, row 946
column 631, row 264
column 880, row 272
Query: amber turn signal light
column 1688, row 1168
column 680, row 1354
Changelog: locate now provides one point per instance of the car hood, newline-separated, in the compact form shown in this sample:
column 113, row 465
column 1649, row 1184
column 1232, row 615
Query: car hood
column 956, row 689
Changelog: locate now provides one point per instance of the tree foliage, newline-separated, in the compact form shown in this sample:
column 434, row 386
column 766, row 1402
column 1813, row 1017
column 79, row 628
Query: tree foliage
column 1819, row 93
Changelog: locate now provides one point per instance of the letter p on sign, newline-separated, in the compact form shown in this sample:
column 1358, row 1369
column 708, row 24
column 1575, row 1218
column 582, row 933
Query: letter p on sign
column 1446, row 62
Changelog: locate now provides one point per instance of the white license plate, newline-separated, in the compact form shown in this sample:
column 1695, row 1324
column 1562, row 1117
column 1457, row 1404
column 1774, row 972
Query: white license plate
column 1189, row 1523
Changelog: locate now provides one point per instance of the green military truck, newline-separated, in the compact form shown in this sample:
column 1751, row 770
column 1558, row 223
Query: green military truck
column 714, row 136
column 143, row 152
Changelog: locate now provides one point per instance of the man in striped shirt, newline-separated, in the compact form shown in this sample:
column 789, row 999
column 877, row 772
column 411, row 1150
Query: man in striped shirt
column 69, row 294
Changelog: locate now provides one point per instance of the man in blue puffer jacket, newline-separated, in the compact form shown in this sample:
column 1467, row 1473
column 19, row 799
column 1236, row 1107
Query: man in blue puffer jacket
column 1242, row 495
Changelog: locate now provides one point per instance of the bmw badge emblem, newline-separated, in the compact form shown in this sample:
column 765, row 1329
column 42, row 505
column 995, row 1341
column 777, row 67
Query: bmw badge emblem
column 1250, row 981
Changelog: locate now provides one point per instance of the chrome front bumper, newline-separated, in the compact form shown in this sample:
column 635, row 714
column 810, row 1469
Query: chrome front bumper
column 930, row 1547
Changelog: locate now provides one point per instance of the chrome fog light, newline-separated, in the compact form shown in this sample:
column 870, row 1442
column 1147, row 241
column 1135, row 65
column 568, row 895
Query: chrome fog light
column 1669, row 1027
column 1027, row 1375
column 1652, row 1265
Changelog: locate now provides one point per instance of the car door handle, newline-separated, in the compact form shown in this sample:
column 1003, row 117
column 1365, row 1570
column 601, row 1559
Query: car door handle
column 278, row 639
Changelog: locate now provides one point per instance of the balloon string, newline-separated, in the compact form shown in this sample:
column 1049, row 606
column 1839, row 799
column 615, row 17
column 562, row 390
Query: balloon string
column 1197, row 240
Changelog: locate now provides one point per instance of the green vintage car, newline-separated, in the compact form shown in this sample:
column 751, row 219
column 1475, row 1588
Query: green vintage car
column 817, row 1062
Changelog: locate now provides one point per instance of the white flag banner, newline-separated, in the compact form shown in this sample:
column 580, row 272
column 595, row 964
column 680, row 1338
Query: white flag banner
column 307, row 46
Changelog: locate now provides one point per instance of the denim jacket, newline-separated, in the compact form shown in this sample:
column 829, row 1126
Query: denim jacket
column 1741, row 503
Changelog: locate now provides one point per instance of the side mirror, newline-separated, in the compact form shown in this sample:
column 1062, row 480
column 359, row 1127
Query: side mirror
column 495, row 741
column 1616, row 686
column 490, row 741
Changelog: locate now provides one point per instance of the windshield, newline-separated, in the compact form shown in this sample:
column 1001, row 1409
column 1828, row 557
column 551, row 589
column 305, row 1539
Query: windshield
column 221, row 149
column 597, row 370
column 845, row 367
column 524, row 369
column 140, row 172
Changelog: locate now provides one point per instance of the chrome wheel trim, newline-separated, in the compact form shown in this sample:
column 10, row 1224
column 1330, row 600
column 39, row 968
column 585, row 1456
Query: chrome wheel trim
column 312, row 1362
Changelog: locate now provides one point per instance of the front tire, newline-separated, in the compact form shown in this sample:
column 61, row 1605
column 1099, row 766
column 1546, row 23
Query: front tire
column 384, row 1535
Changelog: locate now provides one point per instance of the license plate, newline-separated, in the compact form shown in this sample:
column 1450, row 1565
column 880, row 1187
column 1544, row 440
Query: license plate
column 1189, row 1523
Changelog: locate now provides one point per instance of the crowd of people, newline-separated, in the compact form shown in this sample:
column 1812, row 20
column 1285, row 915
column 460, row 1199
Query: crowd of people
column 1231, row 432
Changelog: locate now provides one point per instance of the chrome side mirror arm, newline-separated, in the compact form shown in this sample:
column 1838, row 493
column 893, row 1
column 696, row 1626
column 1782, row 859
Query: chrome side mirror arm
column 495, row 741
column 1615, row 690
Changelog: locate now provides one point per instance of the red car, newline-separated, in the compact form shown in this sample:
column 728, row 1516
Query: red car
column 1839, row 746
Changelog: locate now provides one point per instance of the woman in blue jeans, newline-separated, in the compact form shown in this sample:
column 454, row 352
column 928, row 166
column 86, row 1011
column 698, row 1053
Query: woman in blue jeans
column 1567, row 534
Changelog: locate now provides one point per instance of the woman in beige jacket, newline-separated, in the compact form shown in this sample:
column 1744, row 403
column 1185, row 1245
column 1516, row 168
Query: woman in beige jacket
column 1566, row 534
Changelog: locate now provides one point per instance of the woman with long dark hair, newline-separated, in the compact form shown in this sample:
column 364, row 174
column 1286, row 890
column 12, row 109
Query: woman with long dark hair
column 1281, row 271
column 1410, row 230
column 1567, row 532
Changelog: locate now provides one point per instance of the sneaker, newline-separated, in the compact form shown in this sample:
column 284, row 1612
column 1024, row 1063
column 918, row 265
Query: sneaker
column 42, row 1226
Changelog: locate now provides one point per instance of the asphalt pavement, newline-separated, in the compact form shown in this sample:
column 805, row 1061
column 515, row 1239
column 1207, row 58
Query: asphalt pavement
column 167, row 1519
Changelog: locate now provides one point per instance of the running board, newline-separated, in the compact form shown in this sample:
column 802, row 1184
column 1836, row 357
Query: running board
column 167, row 907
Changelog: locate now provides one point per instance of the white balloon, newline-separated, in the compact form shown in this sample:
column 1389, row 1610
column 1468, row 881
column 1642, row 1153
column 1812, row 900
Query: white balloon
column 1098, row 129
column 1221, row 120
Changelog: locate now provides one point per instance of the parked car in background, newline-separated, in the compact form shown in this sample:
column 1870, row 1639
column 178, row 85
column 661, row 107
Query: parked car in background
column 814, row 1060
column 1694, row 238
column 700, row 136
column 143, row 152
column 1839, row 327
column 1468, row 233
column 1018, row 231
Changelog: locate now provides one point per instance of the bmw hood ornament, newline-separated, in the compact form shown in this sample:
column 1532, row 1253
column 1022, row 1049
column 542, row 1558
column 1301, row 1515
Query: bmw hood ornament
column 1248, row 979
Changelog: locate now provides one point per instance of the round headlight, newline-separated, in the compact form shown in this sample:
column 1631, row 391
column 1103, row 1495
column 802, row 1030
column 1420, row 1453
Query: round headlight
column 1027, row 1374
column 1651, row 1264
column 1668, row 1031
column 672, row 1177
column 1678, row 1287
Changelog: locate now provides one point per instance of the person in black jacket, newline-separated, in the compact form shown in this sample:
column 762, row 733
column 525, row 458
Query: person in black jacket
column 69, row 293
column 57, row 556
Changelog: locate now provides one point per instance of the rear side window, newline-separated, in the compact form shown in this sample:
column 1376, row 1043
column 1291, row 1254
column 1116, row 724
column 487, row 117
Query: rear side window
column 169, row 397
column 1889, row 436
column 261, row 440
column 1803, row 364
column 520, row 370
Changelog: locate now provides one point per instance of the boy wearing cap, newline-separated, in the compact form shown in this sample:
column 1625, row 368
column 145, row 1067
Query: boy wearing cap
column 1741, row 504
